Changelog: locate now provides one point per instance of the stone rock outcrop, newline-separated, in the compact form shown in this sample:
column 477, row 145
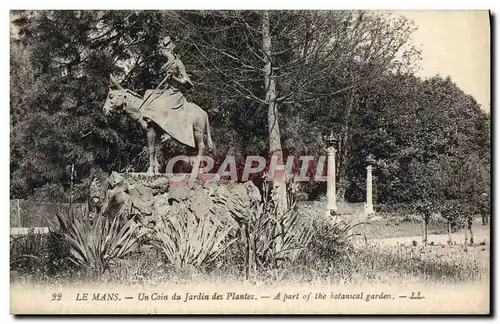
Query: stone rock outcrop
column 152, row 198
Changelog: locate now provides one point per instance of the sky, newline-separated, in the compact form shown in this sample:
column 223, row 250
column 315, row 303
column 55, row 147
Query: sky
column 455, row 44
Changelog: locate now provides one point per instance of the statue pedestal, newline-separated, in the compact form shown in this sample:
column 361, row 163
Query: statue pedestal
column 369, row 209
column 154, row 198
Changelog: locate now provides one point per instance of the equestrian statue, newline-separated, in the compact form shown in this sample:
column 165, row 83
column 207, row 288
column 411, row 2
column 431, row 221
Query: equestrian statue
column 164, row 112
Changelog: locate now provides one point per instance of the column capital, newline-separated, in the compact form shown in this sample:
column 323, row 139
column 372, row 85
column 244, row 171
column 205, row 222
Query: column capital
column 369, row 168
column 331, row 150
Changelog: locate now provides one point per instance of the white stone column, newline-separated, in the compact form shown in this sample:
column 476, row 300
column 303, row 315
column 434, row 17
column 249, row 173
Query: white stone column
column 331, row 196
column 369, row 203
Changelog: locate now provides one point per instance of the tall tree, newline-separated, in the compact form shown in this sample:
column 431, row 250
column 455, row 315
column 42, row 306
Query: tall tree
column 306, row 59
column 349, row 71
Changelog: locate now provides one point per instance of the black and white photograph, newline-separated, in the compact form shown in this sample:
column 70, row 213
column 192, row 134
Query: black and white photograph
column 250, row 162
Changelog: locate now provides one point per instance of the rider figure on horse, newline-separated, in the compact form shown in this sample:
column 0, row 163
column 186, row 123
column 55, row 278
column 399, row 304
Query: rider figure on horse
column 176, row 72
column 165, row 110
column 167, row 101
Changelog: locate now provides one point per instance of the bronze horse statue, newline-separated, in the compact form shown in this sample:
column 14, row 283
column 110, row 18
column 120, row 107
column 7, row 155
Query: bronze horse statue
column 195, row 123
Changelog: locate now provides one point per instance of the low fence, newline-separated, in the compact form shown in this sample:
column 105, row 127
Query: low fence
column 25, row 214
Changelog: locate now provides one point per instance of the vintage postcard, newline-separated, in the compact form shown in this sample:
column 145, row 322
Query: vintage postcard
column 250, row 162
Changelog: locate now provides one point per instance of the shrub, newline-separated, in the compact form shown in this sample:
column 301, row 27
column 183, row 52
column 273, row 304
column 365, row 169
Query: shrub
column 273, row 236
column 28, row 253
column 95, row 245
column 59, row 255
column 331, row 239
column 185, row 240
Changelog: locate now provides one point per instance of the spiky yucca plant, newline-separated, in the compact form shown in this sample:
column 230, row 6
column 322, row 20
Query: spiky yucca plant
column 186, row 240
column 273, row 236
column 282, row 235
column 95, row 245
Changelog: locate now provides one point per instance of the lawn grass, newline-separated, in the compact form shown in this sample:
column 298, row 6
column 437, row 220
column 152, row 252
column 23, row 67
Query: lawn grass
column 370, row 263
column 388, row 229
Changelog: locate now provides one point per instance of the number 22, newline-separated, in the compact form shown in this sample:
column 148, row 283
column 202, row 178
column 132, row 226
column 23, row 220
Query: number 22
column 56, row 297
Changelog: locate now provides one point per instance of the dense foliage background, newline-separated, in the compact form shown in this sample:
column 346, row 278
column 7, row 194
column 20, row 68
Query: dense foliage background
column 350, row 72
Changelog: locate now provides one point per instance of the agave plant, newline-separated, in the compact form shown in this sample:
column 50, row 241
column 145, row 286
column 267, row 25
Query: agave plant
column 282, row 234
column 186, row 240
column 95, row 245
column 273, row 236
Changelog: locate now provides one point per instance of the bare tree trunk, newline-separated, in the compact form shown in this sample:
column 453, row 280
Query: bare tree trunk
column 272, row 115
column 465, row 235
column 484, row 217
column 344, row 151
column 470, row 219
column 425, row 225
column 450, row 241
